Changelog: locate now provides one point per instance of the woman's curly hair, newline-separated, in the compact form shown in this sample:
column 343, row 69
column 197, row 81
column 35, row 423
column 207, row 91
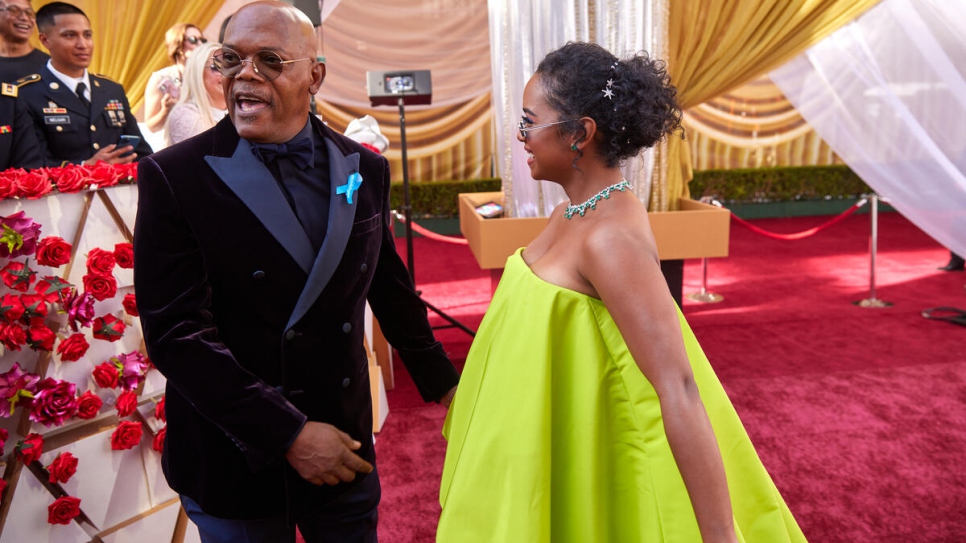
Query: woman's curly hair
column 641, row 112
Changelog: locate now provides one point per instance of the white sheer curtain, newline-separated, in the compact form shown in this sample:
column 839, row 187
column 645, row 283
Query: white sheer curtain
column 522, row 32
column 888, row 93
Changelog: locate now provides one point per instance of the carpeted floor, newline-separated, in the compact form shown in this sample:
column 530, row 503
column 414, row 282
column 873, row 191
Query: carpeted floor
column 858, row 413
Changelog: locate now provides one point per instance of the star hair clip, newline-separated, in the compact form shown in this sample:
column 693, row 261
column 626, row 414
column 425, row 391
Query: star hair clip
column 609, row 91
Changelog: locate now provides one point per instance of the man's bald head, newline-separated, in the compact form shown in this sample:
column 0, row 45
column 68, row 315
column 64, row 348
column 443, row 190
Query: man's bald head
column 298, row 27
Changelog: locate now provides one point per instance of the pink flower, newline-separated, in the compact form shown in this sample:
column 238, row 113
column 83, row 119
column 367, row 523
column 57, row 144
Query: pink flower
column 16, row 386
column 18, row 235
column 133, row 366
column 54, row 402
column 79, row 309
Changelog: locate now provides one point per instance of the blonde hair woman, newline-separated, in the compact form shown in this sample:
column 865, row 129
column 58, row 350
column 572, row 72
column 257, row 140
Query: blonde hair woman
column 164, row 85
column 202, row 101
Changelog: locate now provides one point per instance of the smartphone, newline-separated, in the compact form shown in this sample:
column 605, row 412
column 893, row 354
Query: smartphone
column 490, row 210
column 125, row 141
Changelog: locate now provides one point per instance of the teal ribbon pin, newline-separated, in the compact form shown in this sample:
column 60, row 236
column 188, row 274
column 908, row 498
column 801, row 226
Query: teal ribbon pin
column 352, row 185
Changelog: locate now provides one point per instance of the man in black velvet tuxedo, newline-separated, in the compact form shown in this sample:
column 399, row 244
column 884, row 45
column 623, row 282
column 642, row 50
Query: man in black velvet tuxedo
column 253, row 266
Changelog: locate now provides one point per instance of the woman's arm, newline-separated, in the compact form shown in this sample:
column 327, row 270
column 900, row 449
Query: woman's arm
column 157, row 104
column 620, row 260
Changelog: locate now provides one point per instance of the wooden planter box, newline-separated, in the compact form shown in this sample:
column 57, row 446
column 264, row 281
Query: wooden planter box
column 697, row 230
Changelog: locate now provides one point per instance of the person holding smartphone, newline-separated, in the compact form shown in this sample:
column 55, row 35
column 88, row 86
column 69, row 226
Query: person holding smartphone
column 164, row 85
column 78, row 116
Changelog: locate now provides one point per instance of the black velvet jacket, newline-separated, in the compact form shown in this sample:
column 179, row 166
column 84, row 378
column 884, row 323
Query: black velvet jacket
column 256, row 332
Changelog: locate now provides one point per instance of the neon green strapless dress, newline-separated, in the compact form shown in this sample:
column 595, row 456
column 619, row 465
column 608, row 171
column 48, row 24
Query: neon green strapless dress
column 556, row 436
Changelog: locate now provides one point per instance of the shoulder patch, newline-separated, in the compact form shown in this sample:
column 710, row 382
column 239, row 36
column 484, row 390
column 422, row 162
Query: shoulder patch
column 28, row 79
column 11, row 89
column 102, row 76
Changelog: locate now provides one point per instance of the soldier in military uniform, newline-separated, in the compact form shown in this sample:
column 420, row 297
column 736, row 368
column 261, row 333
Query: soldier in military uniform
column 78, row 117
column 18, row 144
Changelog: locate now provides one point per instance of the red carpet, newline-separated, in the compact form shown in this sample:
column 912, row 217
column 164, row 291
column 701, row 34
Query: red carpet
column 859, row 414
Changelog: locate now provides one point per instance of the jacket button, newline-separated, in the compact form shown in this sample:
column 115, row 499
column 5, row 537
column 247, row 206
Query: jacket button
column 347, row 327
column 290, row 334
column 364, row 267
column 93, row 128
column 346, row 382
column 259, row 274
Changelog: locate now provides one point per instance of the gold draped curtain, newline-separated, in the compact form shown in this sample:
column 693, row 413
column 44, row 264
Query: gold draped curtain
column 129, row 36
column 719, row 45
column 753, row 126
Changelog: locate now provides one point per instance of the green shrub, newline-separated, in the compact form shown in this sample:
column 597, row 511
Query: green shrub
column 438, row 199
column 778, row 184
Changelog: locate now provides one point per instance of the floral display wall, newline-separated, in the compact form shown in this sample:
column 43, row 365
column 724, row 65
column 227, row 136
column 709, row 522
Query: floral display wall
column 82, row 413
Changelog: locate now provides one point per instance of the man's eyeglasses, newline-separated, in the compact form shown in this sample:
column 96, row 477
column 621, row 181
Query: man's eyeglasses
column 266, row 63
column 195, row 40
column 17, row 11
column 524, row 128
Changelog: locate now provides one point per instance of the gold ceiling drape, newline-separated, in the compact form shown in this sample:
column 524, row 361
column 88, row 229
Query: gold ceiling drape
column 718, row 45
column 129, row 36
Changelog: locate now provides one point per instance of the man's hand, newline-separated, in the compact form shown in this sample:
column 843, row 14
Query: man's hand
column 112, row 155
column 448, row 398
column 322, row 454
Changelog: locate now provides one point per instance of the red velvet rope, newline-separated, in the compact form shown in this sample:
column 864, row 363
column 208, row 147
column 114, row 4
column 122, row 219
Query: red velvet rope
column 432, row 235
column 805, row 233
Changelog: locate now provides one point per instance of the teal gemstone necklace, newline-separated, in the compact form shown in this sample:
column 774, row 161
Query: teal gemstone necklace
column 592, row 202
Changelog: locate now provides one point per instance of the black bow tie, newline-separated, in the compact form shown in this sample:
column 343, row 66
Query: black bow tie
column 298, row 151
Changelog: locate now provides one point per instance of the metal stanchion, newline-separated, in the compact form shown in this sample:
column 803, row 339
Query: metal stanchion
column 872, row 301
column 703, row 295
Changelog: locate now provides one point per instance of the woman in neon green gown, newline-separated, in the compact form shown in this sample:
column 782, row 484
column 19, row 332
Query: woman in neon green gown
column 587, row 411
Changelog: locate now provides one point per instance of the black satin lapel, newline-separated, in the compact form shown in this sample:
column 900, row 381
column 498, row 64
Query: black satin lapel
column 341, row 217
column 251, row 181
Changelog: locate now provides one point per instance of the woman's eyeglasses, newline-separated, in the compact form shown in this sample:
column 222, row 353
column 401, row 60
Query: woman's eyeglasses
column 524, row 128
column 195, row 40
column 266, row 63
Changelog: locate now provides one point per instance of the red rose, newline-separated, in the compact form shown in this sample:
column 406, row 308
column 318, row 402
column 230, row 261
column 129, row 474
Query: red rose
column 40, row 338
column 34, row 184
column 126, row 435
column 105, row 375
column 71, row 179
column 12, row 336
column 11, row 307
column 159, row 410
column 101, row 287
column 73, row 348
column 158, row 444
column 34, row 309
column 106, row 175
column 126, row 403
column 53, row 289
column 53, row 251
column 100, row 262
column 124, row 255
column 88, row 405
column 17, row 276
column 130, row 304
column 63, row 510
column 8, row 183
column 3, row 440
column 30, row 448
column 3, row 485
column 108, row 328
column 63, row 468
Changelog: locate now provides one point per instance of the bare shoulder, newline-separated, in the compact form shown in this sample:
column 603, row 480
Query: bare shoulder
column 619, row 244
